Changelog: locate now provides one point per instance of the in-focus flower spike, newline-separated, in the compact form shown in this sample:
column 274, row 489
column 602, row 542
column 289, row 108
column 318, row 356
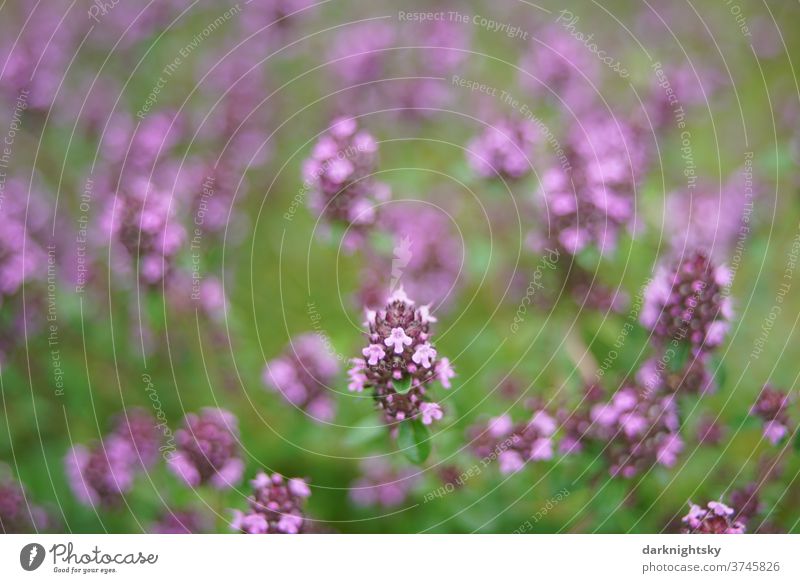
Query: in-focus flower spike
column 716, row 518
column 772, row 407
column 208, row 450
column 686, row 302
column 303, row 374
column 399, row 362
column 275, row 507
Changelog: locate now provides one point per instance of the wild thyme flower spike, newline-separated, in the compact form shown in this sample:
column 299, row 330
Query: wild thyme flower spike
column 399, row 362
column 716, row 518
column 276, row 506
column 339, row 175
column 685, row 302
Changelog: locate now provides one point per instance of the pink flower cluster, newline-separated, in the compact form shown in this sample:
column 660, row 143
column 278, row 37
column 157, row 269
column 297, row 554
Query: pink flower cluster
column 276, row 506
column 715, row 518
column 400, row 362
column 304, row 375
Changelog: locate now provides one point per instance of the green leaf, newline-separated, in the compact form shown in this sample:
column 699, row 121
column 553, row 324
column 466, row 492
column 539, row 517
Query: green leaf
column 797, row 441
column 413, row 439
column 403, row 385
column 720, row 374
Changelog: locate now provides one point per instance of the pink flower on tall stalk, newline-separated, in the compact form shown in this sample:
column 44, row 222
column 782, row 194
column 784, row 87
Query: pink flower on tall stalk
column 208, row 450
column 399, row 361
column 275, row 507
column 304, row 375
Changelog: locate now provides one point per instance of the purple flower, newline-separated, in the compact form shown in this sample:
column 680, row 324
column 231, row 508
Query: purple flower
column 275, row 507
column 635, row 430
column 426, row 258
column 103, row 474
column 180, row 522
column 504, row 149
column 139, row 428
column 339, row 175
column 17, row 514
column 559, row 68
column 685, row 301
column 512, row 445
column 208, row 450
column 303, row 374
column 382, row 485
column 589, row 193
column 772, row 407
column 716, row 518
column 400, row 376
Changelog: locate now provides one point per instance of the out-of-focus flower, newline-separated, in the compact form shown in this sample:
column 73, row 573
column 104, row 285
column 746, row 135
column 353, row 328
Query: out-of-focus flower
column 589, row 194
column 685, row 302
column 276, row 506
column 103, row 474
column 382, row 485
column 713, row 220
column 504, row 149
column 303, row 374
column 557, row 67
column 208, row 450
column 772, row 407
column 180, row 522
column 339, row 175
column 512, row 445
column 138, row 427
column 636, row 431
column 426, row 258
column 716, row 518
column 17, row 514
column 399, row 362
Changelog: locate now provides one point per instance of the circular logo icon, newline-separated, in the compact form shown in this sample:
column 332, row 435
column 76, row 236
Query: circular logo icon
column 31, row 556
